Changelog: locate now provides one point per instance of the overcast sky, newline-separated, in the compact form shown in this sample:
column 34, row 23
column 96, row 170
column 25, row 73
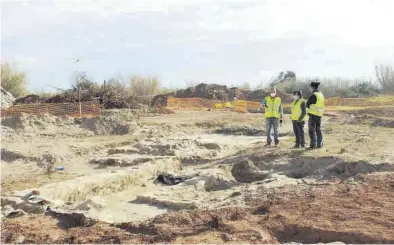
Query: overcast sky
column 215, row 41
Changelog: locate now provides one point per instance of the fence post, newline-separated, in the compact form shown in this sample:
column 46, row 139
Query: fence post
column 80, row 109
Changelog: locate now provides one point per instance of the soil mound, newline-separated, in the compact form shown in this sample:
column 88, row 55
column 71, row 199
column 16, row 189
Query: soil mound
column 35, row 122
column 218, row 92
column 372, row 121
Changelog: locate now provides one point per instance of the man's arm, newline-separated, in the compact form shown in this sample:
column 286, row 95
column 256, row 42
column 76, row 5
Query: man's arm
column 312, row 100
column 303, row 111
column 263, row 104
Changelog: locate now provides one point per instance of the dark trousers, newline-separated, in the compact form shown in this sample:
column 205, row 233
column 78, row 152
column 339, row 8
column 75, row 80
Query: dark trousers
column 315, row 134
column 298, row 128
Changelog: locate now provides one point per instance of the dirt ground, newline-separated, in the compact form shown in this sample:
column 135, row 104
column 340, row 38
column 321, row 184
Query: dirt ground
column 236, row 190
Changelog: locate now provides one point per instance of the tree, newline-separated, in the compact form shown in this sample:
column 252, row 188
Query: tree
column 385, row 76
column 13, row 81
column 246, row 86
column 144, row 86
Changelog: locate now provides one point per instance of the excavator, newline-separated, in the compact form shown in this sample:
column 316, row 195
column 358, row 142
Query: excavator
column 282, row 77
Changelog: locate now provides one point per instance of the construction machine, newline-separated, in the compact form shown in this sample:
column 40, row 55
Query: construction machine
column 282, row 77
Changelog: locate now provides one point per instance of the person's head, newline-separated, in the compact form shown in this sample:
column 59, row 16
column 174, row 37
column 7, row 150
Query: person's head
column 273, row 92
column 314, row 85
column 297, row 94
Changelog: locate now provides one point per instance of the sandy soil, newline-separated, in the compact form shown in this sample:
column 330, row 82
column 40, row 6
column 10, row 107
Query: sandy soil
column 238, row 191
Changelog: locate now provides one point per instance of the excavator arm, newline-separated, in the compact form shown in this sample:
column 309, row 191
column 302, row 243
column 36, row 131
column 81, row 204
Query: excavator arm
column 283, row 76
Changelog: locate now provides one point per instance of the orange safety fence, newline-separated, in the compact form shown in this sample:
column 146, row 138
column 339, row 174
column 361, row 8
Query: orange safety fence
column 200, row 103
column 83, row 109
column 190, row 103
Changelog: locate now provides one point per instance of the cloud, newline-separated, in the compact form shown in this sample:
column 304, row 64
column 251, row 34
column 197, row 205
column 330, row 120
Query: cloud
column 217, row 39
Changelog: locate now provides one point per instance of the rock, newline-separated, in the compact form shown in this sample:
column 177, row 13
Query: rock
column 120, row 160
column 20, row 239
column 226, row 237
column 9, row 212
column 208, row 144
column 214, row 180
column 17, row 203
column 247, row 172
column 122, row 150
column 93, row 203
column 7, row 99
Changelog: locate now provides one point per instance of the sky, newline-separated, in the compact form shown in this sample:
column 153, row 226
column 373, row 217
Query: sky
column 187, row 41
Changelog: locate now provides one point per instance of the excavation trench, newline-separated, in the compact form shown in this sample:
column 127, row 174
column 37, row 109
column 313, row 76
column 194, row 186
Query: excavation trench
column 124, row 186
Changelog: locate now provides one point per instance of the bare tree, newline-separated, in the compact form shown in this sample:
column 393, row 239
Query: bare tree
column 385, row 76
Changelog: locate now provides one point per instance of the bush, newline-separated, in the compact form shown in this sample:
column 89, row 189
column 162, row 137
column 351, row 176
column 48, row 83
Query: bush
column 116, row 94
column 364, row 89
column 13, row 81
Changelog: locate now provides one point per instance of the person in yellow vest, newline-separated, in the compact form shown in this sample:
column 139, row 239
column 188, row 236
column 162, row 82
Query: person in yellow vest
column 298, row 117
column 273, row 115
column 315, row 107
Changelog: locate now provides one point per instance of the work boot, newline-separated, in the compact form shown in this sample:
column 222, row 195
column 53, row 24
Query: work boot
column 267, row 144
column 277, row 143
column 310, row 148
column 296, row 147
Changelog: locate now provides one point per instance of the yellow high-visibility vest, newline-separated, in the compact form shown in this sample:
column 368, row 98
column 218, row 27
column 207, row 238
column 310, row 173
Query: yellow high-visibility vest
column 318, row 108
column 272, row 109
column 296, row 110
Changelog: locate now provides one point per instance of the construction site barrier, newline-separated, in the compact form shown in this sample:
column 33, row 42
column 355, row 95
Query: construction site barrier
column 77, row 110
column 199, row 103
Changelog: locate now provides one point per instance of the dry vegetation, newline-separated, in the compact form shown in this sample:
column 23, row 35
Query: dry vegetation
column 144, row 88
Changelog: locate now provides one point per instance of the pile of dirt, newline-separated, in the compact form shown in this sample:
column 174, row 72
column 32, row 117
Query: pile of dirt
column 26, row 122
column 372, row 121
column 218, row 92
column 108, row 126
column 7, row 99
column 112, row 122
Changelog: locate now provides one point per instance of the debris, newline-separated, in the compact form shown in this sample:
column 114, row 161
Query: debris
column 10, row 212
column 7, row 99
column 169, row 179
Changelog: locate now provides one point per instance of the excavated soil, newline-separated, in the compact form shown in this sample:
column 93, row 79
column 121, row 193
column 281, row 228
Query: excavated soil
column 100, row 183
column 346, row 212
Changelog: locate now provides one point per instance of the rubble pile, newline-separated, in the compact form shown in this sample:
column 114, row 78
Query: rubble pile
column 7, row 99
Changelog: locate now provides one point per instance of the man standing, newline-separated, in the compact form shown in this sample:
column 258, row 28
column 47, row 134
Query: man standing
column 315, row 105
column 298, row 117
column 273, row 115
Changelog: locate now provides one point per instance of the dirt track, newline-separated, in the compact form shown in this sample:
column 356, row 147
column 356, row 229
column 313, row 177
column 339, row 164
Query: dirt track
column 107, row 192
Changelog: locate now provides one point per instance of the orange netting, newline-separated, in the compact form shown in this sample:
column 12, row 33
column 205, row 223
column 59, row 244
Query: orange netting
column 242, row 105
column 83, row 109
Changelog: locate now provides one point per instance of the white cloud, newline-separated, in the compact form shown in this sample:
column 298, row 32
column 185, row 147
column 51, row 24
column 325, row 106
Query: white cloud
column 204, row 38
